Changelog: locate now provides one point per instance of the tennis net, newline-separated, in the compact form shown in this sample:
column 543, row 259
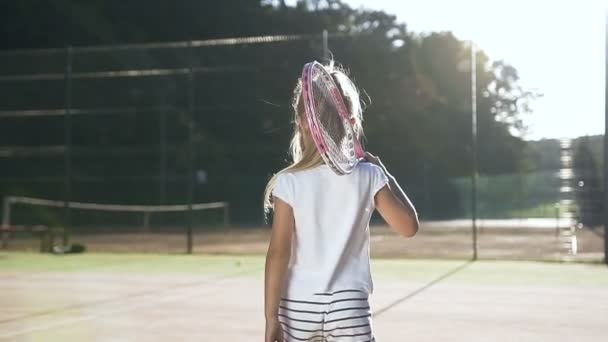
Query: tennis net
column 107, row 227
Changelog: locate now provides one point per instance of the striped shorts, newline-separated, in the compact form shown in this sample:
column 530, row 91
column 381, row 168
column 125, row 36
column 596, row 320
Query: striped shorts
column 327, row 317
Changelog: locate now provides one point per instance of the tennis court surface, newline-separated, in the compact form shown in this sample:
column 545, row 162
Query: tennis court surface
column 149, row 297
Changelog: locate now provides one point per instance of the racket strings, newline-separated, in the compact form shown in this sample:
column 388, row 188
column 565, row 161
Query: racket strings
column 334, row 126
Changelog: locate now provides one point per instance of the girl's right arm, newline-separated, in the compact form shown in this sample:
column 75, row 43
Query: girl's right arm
column 277, row 260
column 393, row 204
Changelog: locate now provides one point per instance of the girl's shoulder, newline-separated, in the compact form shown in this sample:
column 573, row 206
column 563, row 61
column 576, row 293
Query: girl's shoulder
column 369, row 168
column 363, row 167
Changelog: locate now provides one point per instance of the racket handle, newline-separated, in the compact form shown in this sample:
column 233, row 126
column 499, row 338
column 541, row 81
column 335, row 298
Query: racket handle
column 359, row 151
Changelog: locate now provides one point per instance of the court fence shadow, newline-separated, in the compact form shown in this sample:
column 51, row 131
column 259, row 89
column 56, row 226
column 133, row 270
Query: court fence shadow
column 422, row 288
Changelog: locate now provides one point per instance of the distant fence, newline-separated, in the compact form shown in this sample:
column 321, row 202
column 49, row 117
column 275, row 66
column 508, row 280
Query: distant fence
column 186, row 122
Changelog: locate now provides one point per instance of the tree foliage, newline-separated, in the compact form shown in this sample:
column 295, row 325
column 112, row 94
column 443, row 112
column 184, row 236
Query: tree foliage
column 418, row 117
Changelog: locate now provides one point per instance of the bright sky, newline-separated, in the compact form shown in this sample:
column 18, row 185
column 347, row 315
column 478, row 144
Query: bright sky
column 558, row 47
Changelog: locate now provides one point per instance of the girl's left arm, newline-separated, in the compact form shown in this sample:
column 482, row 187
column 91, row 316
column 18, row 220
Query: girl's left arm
column 277, row 260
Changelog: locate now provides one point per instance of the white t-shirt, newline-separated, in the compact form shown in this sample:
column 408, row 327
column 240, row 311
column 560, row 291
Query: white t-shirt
column 330, row 247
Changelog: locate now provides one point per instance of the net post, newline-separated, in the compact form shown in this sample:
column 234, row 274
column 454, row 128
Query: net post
column 146, row 222
column 6, row 212
column 190, row 147
column 6, row 221
column 474, row 147
column 226, row 214
column 68, row 145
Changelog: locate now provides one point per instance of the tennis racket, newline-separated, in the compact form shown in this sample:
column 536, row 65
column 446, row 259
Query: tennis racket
column 329, row 121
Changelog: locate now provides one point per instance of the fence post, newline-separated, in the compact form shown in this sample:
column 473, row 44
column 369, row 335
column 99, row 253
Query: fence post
column 162, row 176
column 474, row 147
column 606, row 147
column 557, row 215
column 68, row 145
column 325, row 47
column 190, row 147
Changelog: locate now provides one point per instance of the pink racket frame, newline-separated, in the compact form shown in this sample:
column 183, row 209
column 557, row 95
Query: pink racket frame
column 308, row 97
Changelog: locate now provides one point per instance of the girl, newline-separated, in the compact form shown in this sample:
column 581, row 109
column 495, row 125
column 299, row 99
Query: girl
column 318, row 265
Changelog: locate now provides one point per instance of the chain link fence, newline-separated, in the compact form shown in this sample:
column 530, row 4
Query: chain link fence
column 209, row 121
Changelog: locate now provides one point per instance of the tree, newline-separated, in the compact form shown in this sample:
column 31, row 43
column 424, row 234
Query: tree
column 418, row 118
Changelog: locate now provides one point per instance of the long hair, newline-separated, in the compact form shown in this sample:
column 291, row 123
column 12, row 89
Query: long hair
column 303, row 152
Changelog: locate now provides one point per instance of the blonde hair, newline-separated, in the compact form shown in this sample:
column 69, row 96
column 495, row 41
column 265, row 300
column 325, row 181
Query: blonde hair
column 303, row 152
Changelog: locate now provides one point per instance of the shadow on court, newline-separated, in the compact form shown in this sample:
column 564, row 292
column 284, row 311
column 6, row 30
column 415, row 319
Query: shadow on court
column 200, row 297
column 421, row 289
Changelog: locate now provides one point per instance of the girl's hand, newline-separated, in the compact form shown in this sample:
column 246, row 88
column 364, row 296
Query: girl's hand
column 274, row 333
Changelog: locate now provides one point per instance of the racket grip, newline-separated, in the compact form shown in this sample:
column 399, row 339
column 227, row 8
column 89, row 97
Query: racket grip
column 359, row 153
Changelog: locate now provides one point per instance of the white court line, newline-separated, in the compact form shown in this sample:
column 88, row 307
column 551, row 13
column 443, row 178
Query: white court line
column 88, row 317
